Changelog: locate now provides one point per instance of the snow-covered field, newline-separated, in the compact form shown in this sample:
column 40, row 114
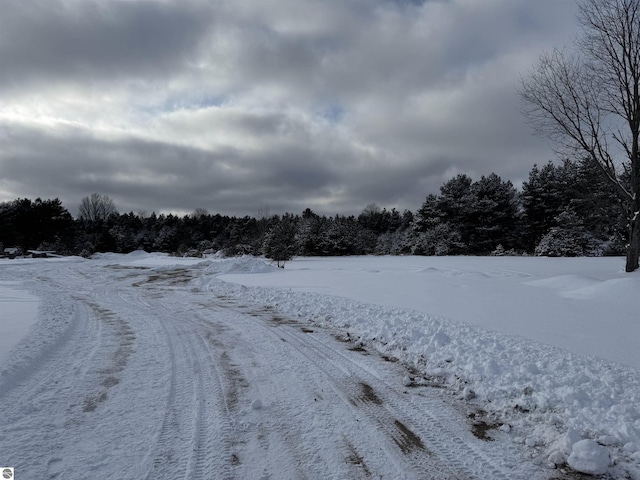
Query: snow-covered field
column 582, row 305
column 148, row 366
column 18, row 311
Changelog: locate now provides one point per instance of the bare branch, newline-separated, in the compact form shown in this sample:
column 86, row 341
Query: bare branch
column 588, row 102
column 96, row 207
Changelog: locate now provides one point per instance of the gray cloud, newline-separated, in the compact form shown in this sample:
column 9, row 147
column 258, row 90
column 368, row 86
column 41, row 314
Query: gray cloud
column 71, row 41
column 230, row 106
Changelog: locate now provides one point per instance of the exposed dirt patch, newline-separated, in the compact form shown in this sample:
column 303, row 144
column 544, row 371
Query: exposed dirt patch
column 368, row 395
column 126, row 267
column 90, row 404
column 237, row 382
column 110, row 381
column 277, row 320
column 358, row 348
column 213, row 340
column 125, row 339
column 571, row 475
column 406, row 439
column 177, row 276
column 223, row 297
column 481, row 427
column 355, row 459
column 110, row 370
column 149, row 279
column 306, row 330
column 426, row 381
column 480, row 430
column 389, row 359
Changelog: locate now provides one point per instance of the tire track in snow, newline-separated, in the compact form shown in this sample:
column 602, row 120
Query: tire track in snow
column 463, row 458
column 45, row 408
column 278, row 440
column 212, row 408
column 460, row 453
column 402, row 447
column 184, row 330
column 379, row 429
column 204, row 445
column 165, row 461
column 189, row 431
column 122, row 338
column 162, row 453
column 220, row 345
column 35, row 403
column 193, row 439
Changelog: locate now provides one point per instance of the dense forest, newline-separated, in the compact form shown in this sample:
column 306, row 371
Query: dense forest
column 562, row 210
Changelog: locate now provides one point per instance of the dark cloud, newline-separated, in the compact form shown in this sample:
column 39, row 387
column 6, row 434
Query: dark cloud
column 153, row 175
column 49, row 40
column 231, row 106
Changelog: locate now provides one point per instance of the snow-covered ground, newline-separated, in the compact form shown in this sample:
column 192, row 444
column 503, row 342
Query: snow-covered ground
column 559, row 338
column 18, row 311
column 149, row 366
column 582, row 305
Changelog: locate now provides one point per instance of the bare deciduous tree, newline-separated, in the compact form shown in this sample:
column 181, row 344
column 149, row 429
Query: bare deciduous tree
column 96, row 207
column 588, row 100
column 200, row 212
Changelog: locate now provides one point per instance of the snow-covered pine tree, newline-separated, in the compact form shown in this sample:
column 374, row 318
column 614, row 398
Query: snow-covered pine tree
column 280, row 241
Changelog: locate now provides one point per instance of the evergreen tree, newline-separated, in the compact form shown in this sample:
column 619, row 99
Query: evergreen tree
column 600, row 210
column 280, row 242
column 569, row 238
column 39, row 224
column 125, row 232
column 432, row 233
column 543, row 198
column 580, row 187
column 456, row 204
column 495, row 216
column 243, row 235
column 311, row 230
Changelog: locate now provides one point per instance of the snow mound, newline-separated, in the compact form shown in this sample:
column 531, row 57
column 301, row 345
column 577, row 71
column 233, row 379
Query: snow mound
column 589, row 457
column 140, row 258
column 607, row 289
column 141, row 253
column 134, row 256
column 581, row 287
column 565, row 282
column 244, row 264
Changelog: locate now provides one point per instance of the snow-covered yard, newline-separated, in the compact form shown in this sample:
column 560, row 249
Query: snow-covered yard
column 18, row 311
column 557, row 338
column 539, row 355
column 582, row 305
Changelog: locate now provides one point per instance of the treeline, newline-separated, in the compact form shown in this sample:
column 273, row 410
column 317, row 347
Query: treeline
column 562, row 210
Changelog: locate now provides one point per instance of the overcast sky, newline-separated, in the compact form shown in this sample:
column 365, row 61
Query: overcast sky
column 239, row 105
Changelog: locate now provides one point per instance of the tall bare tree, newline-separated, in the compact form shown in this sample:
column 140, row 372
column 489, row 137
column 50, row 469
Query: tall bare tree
column 96, row 207
column 588, row 100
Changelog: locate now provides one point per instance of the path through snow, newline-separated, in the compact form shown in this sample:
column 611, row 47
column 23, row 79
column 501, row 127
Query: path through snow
column 141, row 373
